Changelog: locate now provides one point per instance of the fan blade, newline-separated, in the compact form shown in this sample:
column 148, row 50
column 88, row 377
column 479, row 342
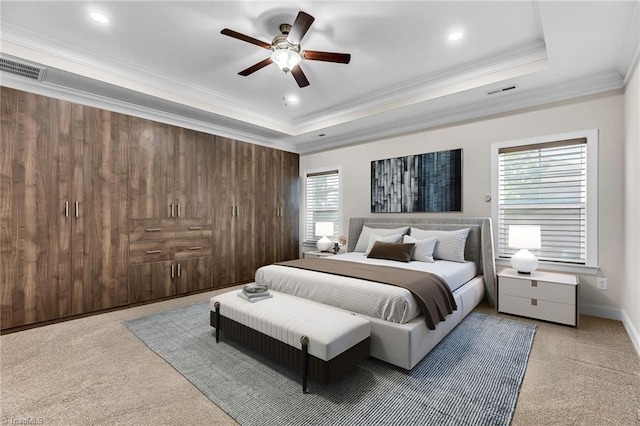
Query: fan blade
column 246, row 38
column 300, row 27
column 341, row 58
column 256, row 67
column 301, row 79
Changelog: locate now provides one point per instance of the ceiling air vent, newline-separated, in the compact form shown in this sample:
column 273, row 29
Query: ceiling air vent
column 21, row 69
column 503, row 89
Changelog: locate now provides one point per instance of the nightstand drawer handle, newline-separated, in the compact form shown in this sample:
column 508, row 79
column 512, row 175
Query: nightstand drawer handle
column 195, row 248
column 534, row 283
column 534, row 302
column 153, row 229
column 195, row 228
column 154, row 251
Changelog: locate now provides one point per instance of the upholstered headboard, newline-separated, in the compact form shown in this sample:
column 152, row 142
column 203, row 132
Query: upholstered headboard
column 479, row 246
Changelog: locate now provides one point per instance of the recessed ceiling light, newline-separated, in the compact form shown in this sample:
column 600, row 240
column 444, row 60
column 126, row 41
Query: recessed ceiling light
column 293, row 99
column 99, row 17
column 455, row 36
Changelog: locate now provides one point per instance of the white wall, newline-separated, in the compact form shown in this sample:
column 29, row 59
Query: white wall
column 604, row 112
column 631, row 296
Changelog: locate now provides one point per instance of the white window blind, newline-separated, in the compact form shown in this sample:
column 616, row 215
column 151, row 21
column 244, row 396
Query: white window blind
column 545, row 184
column 322, row 202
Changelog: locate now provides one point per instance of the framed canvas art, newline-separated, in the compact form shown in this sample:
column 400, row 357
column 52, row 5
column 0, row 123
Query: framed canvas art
column 429, row 182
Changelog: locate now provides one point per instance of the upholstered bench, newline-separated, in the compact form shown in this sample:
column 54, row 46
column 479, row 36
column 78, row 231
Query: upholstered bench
column 319, row 341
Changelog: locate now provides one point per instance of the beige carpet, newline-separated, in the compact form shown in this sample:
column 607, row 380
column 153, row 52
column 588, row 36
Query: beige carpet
column 94, row 371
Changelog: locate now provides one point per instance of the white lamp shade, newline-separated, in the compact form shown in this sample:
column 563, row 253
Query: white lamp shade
column 524, row 236
column 286, row 59
column 324, row 229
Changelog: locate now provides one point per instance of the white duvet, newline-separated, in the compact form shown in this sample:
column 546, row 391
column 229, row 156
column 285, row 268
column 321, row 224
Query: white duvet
column 378, row 300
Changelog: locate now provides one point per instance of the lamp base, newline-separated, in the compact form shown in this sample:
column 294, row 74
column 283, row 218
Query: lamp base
column 524, row 262
column 324, row 244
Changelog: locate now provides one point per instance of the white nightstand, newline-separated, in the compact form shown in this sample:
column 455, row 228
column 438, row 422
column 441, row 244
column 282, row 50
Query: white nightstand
column 548, row 296
column 308, row 254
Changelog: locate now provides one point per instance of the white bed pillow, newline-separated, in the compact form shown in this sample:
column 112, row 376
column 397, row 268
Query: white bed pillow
column 450, row 244
column 363, row 240
column 388, row 239
column 423, row 251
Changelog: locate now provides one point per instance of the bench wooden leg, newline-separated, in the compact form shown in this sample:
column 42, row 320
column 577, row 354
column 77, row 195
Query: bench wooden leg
column 217, row 306
column 305, row 364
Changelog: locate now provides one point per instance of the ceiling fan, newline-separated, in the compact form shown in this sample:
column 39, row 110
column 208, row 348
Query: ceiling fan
column 285, row 49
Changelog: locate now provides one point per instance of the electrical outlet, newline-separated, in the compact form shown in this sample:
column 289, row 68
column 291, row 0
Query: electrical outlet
column 601, row 284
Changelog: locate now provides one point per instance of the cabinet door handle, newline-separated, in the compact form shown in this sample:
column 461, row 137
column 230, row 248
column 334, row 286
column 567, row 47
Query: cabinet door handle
column 172, row 273
column 66, row 208
column 153, row 229
column 178, row 210
column 195, row 248
column 154, row 251
column 233, row 210
column 195, row 228
column 171, row 215
column 77, row 209
column 179, row 270
column 237, row 211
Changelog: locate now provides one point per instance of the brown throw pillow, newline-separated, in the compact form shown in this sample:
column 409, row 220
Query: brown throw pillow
column 392, row 251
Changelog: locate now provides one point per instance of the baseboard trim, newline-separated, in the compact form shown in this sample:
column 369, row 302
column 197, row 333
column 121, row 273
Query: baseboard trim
column 631, row 331
column 614, row 314
column 601, row 311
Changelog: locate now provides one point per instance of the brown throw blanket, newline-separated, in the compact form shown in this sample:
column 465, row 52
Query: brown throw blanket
column 432, row 294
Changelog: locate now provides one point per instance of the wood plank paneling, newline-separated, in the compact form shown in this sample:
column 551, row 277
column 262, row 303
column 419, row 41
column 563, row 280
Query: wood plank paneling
column 125, row 173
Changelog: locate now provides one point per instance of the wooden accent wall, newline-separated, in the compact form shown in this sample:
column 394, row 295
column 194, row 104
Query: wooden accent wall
column 74, row 179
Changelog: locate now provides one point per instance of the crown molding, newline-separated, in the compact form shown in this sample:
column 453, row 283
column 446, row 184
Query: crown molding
column 492, row 70
column 32, row 46
column 590, row 85
column 103, row 102
column 133, row 77
column 633, row 50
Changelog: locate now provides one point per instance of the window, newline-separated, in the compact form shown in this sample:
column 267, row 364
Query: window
column 551, row 182
column 322, row 204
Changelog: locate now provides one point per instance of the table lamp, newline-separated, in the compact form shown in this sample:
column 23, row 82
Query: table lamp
column 524, row 237
column 324, row 229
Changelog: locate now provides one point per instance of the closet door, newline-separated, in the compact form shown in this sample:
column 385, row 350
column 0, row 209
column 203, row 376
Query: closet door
column 195, row 160
column 244, row 225
column 153, row 280
column 289, row 187
column 224, row 210
column 267, row 206
column 151, row 171
column 99, row 216
column 35, row 186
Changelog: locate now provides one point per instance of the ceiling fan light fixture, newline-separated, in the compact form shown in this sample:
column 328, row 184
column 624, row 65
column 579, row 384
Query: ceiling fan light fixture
column 286, row 59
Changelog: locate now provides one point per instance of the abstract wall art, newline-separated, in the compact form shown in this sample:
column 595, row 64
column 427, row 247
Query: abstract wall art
column 417, row 183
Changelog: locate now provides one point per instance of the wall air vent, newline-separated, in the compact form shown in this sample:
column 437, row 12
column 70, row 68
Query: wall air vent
column 21, row 69
column 501, row 90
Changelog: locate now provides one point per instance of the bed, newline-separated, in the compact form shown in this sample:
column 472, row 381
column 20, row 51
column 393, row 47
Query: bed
column 399, row 333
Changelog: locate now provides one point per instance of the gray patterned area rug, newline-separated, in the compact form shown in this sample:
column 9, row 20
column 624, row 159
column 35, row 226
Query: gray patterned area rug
column 472, row 377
